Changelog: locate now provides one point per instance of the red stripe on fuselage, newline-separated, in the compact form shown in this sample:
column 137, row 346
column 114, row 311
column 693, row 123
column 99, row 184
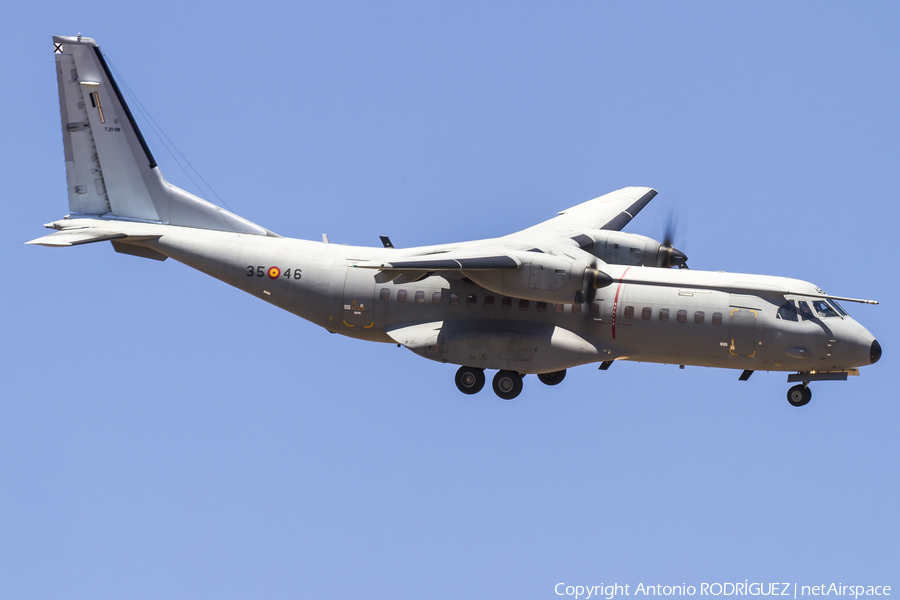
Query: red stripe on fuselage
column 616, row 303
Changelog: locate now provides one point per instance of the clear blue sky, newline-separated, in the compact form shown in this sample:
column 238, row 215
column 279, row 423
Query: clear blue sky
column 165, row 436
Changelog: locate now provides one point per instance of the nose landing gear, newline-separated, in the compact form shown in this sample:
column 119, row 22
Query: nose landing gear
column 799, row 395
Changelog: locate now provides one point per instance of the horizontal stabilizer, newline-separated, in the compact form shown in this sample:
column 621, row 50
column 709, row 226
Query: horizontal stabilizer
column 77, row 237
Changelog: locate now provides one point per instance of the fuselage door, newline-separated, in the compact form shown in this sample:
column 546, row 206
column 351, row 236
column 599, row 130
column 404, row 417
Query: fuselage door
column 742, row 332
column 359, row 296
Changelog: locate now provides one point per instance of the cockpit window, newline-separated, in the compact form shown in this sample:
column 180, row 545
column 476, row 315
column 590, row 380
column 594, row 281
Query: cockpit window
column 788, row 311
column 806, row 312
column 823, row 309
column 838, row 308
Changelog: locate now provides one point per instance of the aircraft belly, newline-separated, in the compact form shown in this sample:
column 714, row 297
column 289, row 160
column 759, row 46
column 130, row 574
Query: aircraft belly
column 524, row 347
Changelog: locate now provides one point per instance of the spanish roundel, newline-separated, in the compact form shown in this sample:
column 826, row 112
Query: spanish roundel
column 274, row 272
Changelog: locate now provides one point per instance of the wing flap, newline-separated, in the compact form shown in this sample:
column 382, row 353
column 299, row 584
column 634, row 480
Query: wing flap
column 468, row 263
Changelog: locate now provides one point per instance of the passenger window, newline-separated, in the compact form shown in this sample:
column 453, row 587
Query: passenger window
column 699, row 316
column 629, row 312
column 454, row 299
column 682, row 316
column 823, row 310
column 401, row 295
column 420, row 297
column 523, row 304
column 559, row 308
column 646, row 313
column 576, row 309
column 436, row 298
column 541, row 307
column 471, row 300
column 506, row 302
column 595, row 309
column 717, row 318
column 385, row 294
column 664, row 314
column 488, row 301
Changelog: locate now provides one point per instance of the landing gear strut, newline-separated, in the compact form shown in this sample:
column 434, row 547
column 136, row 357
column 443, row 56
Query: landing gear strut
column 799, row 395
column 507, row 384
column 553, row 377
column 469, row 380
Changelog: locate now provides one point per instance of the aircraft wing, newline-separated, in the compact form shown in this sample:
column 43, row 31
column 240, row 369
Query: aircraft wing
column 612, row 212
column 558, row 239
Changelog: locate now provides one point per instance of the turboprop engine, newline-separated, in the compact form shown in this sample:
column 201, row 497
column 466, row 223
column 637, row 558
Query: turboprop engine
column 617, row 248
column 545, row 278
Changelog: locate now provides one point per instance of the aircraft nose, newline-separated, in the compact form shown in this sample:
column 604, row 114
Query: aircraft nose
column 875, row 352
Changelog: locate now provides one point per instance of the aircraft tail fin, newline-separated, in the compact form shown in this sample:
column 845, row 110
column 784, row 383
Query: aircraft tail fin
column 110, row 171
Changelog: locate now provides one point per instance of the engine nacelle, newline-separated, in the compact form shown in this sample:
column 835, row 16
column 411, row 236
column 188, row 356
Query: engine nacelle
column 618, row 248
column 544, row 278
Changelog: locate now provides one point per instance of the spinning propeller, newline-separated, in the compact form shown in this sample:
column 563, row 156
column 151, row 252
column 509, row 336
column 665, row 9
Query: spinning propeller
column 668, row 255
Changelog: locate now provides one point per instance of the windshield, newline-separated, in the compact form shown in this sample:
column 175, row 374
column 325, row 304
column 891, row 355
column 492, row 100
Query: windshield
column 824, row 310
column 838, row 308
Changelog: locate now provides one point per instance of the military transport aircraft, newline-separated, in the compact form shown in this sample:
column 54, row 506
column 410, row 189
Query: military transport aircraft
column 569, row 291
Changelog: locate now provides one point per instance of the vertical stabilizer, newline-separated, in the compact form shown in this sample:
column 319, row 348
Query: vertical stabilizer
column 110, row 171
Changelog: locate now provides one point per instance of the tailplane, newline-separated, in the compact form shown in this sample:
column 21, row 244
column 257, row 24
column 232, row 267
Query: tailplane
column 110, row 172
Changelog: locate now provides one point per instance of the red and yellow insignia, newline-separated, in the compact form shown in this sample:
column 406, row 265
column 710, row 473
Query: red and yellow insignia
column 274, row 272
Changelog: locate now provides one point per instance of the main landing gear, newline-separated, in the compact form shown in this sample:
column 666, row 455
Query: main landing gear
column 799, row 395
column 506, row 384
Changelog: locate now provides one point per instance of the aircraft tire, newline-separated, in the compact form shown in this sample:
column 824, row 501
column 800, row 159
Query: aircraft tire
column 799, row 395
column 469, row 380
column 507, row 384
column 552, row 378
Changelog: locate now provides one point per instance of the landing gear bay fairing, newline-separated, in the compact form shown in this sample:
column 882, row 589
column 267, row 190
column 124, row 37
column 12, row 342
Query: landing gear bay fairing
column 570, row 291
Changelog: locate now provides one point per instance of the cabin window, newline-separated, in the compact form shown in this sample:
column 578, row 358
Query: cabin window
column 559, row 308
column 523, row 304
column 489, row 302
column 699, row 316
column 576, row 309
column 541, row 307
column 385, row 294
column 595, row 309
column 629, row 312
column 471, row 300
column 436, row 298
column 664, row 314
column 717, row 319
column 682, row 316
column 788, row 311
column 454, row 299
column 401, row 295
column 506, row 302
column 646, row 313
column 420, row 297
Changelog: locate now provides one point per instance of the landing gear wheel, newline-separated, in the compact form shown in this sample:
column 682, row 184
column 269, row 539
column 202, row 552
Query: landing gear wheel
column 469, row 380
column 507, row 384
column 552, row 378
column 799, row 395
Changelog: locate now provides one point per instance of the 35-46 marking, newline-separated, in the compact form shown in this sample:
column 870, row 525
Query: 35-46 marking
column 273, row 272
